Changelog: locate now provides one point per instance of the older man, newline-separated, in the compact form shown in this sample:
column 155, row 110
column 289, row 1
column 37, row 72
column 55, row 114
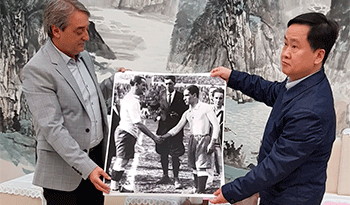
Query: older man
column 68, row 109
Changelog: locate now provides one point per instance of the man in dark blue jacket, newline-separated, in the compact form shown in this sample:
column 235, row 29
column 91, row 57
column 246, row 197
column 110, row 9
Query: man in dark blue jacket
column 300, row 131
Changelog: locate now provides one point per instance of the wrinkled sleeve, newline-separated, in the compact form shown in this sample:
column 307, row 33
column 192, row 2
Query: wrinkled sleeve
column 255, row 86
column 300, row 137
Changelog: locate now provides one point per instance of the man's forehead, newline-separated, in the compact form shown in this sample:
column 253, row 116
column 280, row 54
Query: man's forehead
column 142, row 81
column 297, row 32
column 218, row 94
column 78, row 19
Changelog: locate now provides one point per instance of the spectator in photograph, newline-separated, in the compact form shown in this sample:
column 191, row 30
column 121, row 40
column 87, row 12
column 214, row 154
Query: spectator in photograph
column 128, row 131
column 216, row 96
column 218, row 106
column 171, row 108
column 68, row 110
column 201, row 118
column 300, row 131
column 210, row 94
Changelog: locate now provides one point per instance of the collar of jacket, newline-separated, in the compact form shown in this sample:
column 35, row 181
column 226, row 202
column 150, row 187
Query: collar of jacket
column 303, row 85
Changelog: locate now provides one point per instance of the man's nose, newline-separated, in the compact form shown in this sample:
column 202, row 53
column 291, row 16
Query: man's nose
column 285, row 53
column 86, row 36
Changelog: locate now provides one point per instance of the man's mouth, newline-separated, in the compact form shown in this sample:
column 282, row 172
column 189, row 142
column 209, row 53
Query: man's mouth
column 285, row 63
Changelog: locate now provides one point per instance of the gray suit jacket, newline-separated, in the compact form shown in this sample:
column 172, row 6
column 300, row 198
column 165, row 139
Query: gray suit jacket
column 61, row 122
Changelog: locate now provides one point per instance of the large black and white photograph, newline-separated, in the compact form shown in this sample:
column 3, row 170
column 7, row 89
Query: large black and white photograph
column 166, row 134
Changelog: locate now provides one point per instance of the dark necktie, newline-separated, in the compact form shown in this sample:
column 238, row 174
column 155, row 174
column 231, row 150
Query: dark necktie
column 169, row 98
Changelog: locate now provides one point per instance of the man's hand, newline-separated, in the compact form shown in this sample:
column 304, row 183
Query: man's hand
column 122, row 69
column 158, row 139
column 219, row 199
column 95, row 179
column 145, row 113
column 221, row 72
column 165, row 136
column 211, row 147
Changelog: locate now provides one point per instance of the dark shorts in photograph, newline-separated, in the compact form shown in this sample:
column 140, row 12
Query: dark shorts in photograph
column 125, row 144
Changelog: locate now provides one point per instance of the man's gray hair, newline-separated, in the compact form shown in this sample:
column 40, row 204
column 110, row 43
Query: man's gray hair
column 57, row 12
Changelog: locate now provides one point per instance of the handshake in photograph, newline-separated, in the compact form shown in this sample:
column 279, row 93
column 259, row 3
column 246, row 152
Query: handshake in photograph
column 186, row 128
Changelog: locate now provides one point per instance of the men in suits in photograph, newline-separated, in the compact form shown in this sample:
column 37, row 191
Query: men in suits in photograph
column 172, row 106
column 68, row 109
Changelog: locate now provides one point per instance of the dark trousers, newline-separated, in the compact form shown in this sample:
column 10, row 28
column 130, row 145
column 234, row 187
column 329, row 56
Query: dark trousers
column 86, row 193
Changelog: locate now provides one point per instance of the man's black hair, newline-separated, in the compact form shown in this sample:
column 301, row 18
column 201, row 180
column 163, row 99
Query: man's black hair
column 323, row 31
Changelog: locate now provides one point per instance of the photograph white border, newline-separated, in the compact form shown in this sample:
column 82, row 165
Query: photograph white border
column 201, row 80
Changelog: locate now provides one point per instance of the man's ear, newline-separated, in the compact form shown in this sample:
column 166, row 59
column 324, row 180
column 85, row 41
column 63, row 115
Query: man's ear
column 56, row 32
column 319, row 56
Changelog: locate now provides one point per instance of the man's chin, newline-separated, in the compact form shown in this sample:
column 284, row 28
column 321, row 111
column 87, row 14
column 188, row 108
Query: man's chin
column 285, row 70
column 81, row 47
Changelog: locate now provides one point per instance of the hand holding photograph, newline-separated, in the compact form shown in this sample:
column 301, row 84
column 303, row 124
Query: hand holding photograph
column 166, row 134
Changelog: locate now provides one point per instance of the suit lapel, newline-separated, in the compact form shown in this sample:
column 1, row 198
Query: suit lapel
column 90, row 67
column 59, row 64
column 91, row 70
column 176, row 97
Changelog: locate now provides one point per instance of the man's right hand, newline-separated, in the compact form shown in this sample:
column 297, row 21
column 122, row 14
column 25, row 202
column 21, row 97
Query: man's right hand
column 221, row 72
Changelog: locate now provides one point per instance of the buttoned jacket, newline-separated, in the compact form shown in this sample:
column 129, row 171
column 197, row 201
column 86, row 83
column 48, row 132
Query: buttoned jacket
column 170, row 112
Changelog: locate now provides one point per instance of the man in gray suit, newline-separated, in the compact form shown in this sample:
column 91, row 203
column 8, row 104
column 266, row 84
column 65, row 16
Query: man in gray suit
column 68, row 109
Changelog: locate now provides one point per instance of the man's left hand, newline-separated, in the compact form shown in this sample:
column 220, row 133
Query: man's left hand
column 219, row 198
column 211, row 147
column 95, row 179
